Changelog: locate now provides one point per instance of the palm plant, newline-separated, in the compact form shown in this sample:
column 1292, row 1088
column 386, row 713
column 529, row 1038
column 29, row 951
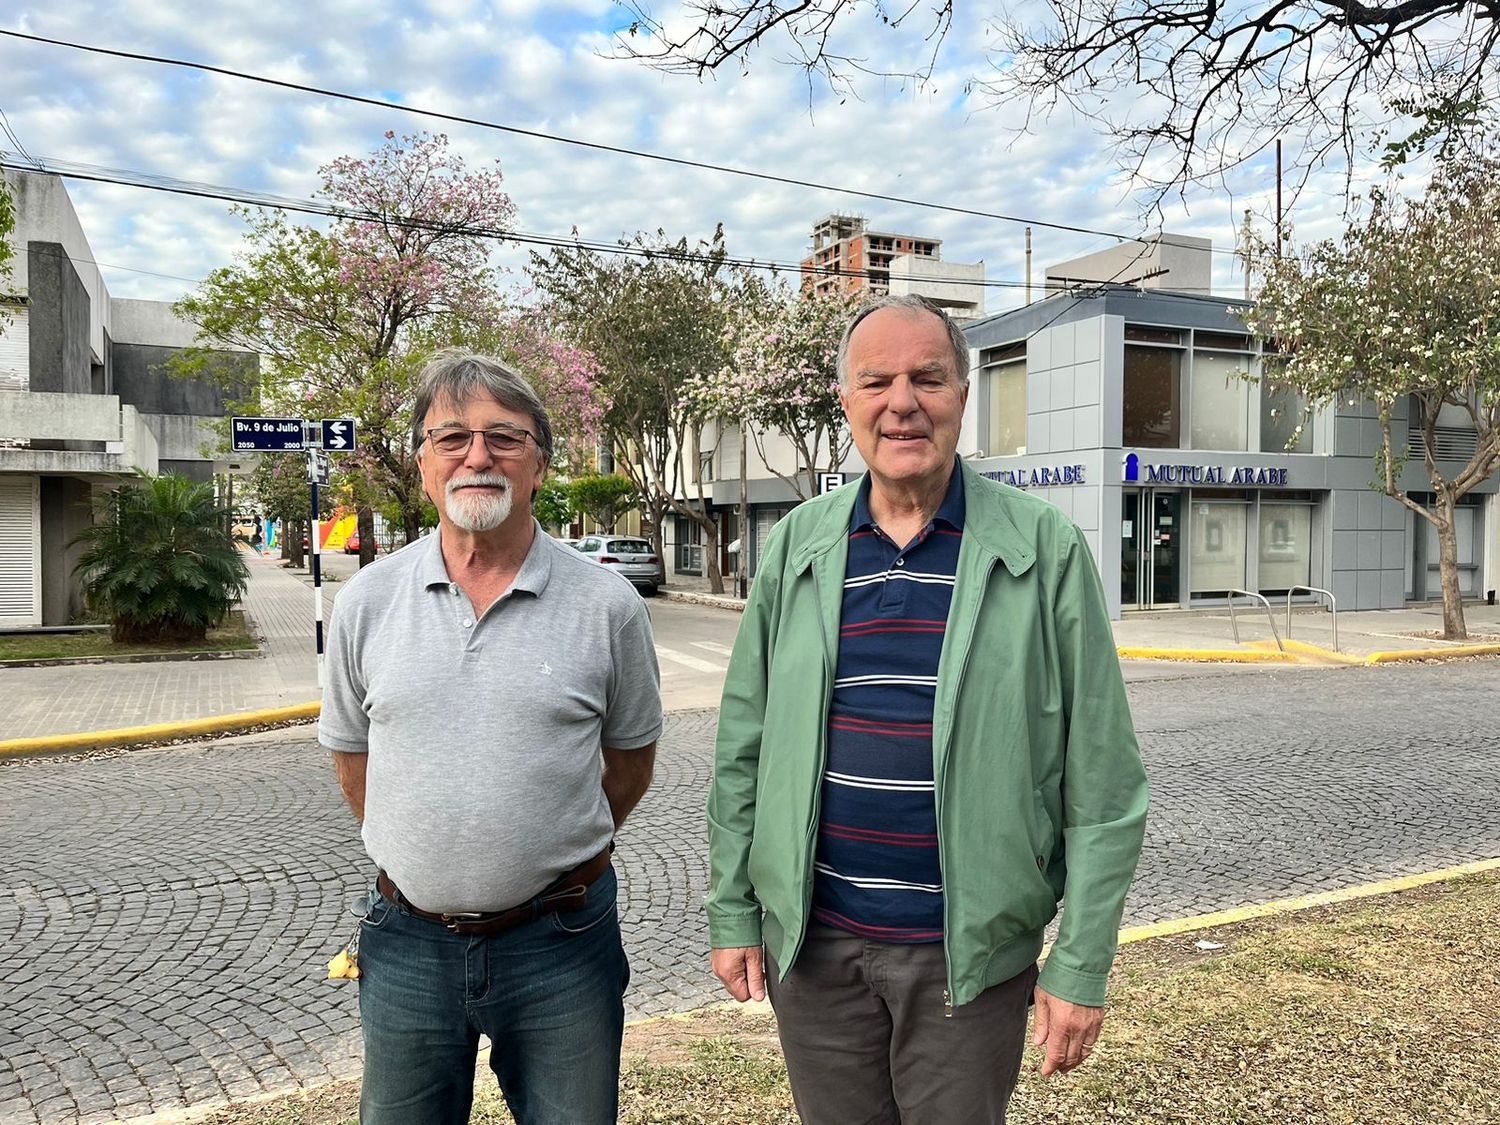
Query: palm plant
column 158, row 562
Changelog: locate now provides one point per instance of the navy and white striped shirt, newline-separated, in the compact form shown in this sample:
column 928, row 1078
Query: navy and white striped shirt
column 877, row 872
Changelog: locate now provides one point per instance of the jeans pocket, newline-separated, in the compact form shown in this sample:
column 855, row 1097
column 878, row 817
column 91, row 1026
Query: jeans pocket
column 378, row 910
column 600, row 907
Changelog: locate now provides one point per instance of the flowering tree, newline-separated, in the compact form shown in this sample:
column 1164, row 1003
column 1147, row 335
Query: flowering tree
column 782, row 377
column 653, row 319
column 1406, row 306
column 344, row 317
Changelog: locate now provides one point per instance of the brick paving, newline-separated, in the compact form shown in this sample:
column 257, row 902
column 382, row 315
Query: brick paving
column 165, row 915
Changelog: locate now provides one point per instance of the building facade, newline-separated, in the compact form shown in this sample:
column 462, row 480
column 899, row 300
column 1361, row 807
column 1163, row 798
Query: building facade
column 86, row 399
column 847, row 256
column 1155, row 421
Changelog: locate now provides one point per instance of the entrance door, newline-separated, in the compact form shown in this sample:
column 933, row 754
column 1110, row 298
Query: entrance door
column 1150, row 537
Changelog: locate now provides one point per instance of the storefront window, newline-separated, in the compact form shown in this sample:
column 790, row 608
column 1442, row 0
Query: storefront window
column 1285, row 546
column 1220, row 401
column 1152, row 398
column 1003, row 371
column 1217, row 558
column 1285, row 421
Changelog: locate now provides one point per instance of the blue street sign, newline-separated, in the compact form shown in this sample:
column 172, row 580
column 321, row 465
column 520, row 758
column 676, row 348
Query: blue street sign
column 338, row 434
column 265, row 434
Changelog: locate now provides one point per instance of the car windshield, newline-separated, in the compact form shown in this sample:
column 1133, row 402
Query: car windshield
column 629, row 547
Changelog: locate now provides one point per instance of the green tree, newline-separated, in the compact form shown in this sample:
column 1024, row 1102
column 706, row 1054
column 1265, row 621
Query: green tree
column 1404, row 308
column 603, row 497
column 653, row 320
column 7, row 250
column 552, row 505
column 280, row 486
column 158, row 563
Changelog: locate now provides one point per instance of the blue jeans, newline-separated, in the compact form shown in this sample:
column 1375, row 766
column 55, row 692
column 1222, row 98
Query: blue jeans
column 549, row 994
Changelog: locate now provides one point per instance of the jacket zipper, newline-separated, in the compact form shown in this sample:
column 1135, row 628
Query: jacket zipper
column 817, row 809
column 958, row 687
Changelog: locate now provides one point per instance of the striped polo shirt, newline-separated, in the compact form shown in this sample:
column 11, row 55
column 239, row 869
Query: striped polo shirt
column 877, row 872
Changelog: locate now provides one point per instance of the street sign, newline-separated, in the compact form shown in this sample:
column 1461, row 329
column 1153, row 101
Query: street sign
column 317, row 466
column 338, row 435
column 266, row 435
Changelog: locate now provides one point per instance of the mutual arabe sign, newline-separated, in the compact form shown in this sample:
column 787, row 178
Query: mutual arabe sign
column 1208, row 475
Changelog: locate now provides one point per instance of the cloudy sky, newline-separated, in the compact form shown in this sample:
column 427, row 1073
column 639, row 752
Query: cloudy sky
column 543, row 65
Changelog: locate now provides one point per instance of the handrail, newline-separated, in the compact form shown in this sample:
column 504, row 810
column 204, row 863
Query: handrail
column 1270, row 618
column 1333, row 608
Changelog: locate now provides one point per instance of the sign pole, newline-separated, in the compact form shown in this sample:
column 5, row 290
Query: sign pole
column 316, row 543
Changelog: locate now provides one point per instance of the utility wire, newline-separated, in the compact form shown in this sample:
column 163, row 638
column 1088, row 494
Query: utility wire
column 381, row 103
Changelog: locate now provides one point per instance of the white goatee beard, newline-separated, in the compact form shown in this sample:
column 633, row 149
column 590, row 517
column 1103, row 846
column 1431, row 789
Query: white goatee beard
column 478, row 512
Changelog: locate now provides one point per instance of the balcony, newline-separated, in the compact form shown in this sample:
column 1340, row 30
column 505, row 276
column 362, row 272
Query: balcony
column 43, row 432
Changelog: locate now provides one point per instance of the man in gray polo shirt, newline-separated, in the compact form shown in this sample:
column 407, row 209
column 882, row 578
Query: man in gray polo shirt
column 492, row 702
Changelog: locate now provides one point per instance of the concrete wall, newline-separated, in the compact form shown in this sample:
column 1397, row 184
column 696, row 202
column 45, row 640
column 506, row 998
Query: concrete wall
column 65, row 512
column 934, row 279
column 45, row 214
column 1187, row 262
column 58, row 322
column 143, row 378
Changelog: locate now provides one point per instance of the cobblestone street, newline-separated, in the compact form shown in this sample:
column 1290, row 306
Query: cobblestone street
column 166, row 915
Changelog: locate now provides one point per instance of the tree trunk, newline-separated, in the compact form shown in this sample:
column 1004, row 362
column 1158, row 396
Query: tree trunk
column 365, row 521
column 294, row 541
column 741, row 571
column 411, row 523
column 1453, row 605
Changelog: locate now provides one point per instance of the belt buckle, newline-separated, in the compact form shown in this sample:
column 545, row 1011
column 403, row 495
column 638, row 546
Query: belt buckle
column 453, row 921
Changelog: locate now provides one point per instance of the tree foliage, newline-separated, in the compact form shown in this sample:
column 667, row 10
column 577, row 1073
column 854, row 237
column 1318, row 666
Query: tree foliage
column 653, row 320
column 603, row 497
column 551, row 505
column 1405, row 308
column 1187, row 88
column 782, row 377
column 280, row 486
column 158, row 562
column 345, row 317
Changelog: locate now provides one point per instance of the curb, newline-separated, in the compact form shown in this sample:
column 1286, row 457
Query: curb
column 1457, row 652
column 157, row 732
column 136, row 658
column 1207, row 655
column 694, row 597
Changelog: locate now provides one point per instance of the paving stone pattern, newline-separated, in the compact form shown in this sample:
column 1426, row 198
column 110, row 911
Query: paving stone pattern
column 165, row 916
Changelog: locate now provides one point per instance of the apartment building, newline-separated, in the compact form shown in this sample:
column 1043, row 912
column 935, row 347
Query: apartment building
column 847, row 256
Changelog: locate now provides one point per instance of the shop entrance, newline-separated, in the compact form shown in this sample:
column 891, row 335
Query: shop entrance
column 1150, row 535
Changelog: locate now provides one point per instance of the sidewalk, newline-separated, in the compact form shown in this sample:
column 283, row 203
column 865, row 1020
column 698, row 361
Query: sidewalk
column 1209, row 634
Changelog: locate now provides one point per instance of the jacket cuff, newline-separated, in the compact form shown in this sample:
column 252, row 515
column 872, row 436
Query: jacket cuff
column 1077, row 986
column 733, row 931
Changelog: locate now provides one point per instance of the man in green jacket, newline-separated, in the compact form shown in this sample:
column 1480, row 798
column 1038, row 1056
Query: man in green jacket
column 924, row 746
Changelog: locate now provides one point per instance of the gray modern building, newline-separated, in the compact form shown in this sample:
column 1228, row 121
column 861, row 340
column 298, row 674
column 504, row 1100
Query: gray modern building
column 87, row 397
column 1154, row 420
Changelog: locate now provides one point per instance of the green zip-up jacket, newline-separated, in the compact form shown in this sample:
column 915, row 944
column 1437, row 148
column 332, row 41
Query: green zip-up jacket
column 1040, row 791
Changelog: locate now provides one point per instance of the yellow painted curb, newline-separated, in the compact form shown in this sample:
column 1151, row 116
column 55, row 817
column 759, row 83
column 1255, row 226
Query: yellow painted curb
column 157, row 732
column 1290, row 905
column 1319, row 653
column 1454, row 653
column 1217, row 655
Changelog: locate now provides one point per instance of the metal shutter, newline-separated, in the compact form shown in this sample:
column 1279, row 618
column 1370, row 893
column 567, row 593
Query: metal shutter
column 20, row 551
column 15, row 371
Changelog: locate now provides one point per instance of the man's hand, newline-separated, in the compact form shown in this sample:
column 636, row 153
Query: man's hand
column 1067, row 1031
column 742, row 971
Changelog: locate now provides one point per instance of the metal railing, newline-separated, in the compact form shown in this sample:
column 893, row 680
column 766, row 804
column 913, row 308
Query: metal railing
column 1270, row 618
column 1333, row 608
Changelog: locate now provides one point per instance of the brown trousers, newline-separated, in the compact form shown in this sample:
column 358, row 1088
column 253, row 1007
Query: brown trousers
column 867, row 1041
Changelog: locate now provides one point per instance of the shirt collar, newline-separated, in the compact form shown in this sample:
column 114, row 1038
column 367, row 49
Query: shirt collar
column 532, row 578
column 950, row 511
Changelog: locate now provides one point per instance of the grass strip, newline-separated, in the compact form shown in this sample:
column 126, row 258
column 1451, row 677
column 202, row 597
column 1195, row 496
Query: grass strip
column 233, row 636
column 1385, row 1010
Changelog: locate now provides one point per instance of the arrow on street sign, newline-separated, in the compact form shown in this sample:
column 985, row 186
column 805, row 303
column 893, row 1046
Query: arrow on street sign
column 265, row 434
column 338, row 434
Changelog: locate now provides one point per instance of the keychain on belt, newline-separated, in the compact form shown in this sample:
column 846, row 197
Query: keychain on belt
column 345, row 964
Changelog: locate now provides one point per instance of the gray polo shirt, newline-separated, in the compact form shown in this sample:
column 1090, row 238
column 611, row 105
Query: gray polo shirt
column 483, row 782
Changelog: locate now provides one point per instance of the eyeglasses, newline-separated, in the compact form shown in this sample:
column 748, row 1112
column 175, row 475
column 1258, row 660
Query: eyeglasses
column 454, row 441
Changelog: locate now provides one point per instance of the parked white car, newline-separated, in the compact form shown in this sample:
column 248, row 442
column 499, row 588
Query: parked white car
column 633, row 558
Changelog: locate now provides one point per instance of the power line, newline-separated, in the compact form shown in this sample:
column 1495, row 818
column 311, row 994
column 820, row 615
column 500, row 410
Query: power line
column 155, row 182
column 381, row 103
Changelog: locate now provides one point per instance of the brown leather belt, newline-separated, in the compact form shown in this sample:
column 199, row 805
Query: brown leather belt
column 568, row 892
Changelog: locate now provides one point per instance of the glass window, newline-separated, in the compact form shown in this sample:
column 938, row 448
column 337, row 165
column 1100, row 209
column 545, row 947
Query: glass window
column 1152, row 335
column 1285, row 421
column 1220, row 402
column 1218, row 547
column 1285, row 546
column 1004, row 374
column 1152, row 398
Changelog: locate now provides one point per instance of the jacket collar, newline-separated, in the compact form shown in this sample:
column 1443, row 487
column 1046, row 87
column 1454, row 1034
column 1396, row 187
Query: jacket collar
column 986, row 520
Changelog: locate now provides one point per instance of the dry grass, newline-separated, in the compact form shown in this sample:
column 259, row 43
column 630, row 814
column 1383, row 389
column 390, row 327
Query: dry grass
column 1382, row 1013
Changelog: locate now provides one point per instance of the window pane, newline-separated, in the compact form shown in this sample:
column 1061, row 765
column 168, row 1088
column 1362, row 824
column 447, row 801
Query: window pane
column 1285, row 424
column 1153, row 387
column 1218, row 553
column 1285, row 546
column 1221, row 399
column 1007, row 418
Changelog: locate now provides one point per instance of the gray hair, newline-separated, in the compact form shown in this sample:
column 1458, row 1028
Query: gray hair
column 459, row 376
column 914, row 305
